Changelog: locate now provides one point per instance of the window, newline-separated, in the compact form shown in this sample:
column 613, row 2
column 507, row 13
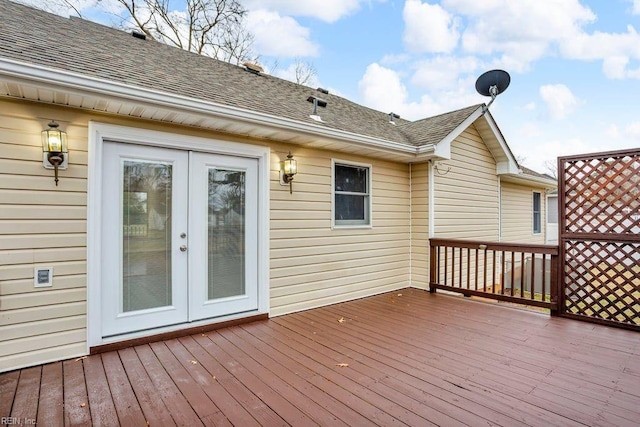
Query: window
column 351, row 194
column 537, row 216
column 552, row 210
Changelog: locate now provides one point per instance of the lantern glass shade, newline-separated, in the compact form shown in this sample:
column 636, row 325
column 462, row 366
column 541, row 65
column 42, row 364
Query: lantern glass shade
column 54, row 140
column 290, row 166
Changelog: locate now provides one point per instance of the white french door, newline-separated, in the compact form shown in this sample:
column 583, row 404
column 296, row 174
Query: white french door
column 179, row 237
column 223, row 225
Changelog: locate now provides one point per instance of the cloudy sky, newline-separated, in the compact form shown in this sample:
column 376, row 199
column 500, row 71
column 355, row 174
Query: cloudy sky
column 574, row 64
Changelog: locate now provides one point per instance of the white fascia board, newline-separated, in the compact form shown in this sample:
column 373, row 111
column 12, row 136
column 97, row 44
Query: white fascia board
column 523, row 178
column 507, row 167
column 443, row 148
column 426, row 152
column 31, row 73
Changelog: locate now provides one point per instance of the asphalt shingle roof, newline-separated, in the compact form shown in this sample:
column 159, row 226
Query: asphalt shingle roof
column 75, row 45
column 531, row 172
column 433, row 129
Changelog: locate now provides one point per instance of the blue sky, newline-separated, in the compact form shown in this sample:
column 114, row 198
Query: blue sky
column 574, row 65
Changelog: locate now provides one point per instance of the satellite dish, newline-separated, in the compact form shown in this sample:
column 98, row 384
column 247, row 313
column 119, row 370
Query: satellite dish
column 492, row 83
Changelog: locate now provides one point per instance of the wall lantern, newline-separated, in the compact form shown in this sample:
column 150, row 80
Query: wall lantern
column 289, row 169
column 54, row 148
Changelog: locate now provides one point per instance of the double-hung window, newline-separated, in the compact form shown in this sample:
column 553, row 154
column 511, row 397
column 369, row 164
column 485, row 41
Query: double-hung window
column 351, row 194
column 537, row 213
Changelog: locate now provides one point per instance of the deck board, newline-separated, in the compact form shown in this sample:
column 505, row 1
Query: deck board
column 177, row 404
column 357, row 394
column 279, row 380
column 50, row 405
column 413, row 358
column 76, row 406
column 236, row 364
column 439, row 383
column 124, row 399
column 153, row 407
column 235, row 412
column 103, row 411
column 25, row 406
column 297, row 375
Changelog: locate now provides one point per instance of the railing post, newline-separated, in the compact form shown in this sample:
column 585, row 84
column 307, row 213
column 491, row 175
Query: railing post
column 555, row 287
column 432, row 267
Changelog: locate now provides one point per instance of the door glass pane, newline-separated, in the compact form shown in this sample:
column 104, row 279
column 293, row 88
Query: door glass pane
column 146, row 235
column 226, row 234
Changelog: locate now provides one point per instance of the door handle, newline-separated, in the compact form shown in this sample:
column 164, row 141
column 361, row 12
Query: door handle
column 183, row 248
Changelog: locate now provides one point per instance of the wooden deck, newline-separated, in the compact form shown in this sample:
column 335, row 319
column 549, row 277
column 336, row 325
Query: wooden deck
column 403, row 358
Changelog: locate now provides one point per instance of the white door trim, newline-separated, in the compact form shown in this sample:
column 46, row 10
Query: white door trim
column 98, row 133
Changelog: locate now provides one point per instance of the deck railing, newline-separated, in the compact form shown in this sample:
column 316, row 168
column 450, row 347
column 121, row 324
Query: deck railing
column 518, row 273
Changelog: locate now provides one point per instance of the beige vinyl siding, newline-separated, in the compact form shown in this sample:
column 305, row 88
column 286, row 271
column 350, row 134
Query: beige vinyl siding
column 420, row 225
column 41, row 225
column 517, row 213
column 44, row 225
column 314, row 265
column 466, row 191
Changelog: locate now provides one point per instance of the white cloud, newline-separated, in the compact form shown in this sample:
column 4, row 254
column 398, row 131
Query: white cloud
column 613, row 132
column 325, row 10
column 429, row 28
column 601, row 45
column 616, row 50
column 281, row 36
column 634, row 74
column 633, row 130
column 530, row 106
column 530, row 130
column 545, row 147
column 559, row 99
column 382, row 89
column 552, row 149
column 520, row 31
column 443, row 72
column 617, row 67
column 614, row 67
column 635, row 10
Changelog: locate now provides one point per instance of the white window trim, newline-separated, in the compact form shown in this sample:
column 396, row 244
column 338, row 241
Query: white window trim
column 533, row 218
column 98, row 133
column 335, row 162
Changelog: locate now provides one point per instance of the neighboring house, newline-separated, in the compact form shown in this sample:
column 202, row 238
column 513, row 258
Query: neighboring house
column 526, row 194
column 171, row 213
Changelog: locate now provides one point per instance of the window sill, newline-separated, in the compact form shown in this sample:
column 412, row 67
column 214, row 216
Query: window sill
column 351, row 227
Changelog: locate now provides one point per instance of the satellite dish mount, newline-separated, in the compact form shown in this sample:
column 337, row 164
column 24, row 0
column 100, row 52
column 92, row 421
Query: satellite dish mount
column 492, row 83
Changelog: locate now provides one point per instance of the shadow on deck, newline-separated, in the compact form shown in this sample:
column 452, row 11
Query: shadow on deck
column 407, row 357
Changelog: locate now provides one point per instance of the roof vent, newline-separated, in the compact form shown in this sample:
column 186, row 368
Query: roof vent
column 253, row 68
column 392, row 117
column 317, row 102
column 323, row 90
column 139, row 35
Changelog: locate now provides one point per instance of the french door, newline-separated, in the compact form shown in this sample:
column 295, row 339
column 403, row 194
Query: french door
column 179, row 237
